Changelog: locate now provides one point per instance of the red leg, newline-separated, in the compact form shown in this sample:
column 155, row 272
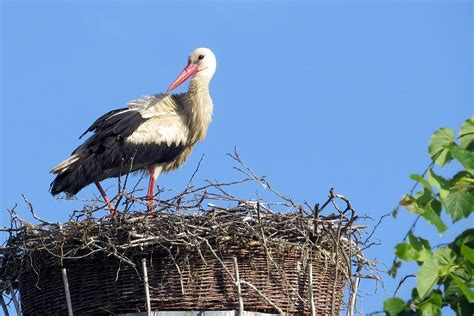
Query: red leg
column 151, row 188
column 112, row 209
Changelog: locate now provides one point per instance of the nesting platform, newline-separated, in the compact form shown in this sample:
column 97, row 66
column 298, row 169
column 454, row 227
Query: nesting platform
column 245, row 258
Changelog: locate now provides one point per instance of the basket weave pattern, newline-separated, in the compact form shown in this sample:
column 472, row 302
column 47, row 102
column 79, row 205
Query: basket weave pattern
column 101, row 285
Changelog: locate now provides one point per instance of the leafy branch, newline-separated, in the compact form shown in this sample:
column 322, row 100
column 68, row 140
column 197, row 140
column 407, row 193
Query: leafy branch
column 445, row 275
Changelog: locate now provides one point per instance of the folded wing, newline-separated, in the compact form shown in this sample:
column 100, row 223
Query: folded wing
column 123, row 141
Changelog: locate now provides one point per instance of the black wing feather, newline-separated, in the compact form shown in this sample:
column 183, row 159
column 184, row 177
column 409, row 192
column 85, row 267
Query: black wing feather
column 116, row 124
column 106, row 154
column 102, row 120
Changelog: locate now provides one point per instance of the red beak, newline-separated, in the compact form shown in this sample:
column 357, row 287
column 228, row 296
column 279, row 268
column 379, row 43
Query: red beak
column 187, row 72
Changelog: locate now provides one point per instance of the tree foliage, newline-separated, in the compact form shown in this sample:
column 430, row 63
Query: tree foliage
column 445, row 274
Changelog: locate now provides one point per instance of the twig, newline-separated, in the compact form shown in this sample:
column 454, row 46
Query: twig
column 249, row 172
column 189, row 185
column 280, row 311
column 406, row 277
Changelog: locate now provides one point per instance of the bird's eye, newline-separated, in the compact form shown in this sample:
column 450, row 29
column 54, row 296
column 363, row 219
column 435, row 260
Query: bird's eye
column 201, row 57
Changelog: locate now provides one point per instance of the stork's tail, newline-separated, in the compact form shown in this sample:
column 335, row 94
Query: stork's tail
column 64, row 183
column 70, row 176
column 80, row 170
column 66, row 164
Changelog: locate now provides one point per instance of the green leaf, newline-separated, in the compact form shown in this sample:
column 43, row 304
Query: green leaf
column 439, row 183
column 466, row 133
column 422, row 246
column 468, row 293
column 415, row 298
column 430, row 309
column 464, row 156
column 436, row 206
column 406, row 252
column 429, row 208
column 424, row 255
column 439, row 140
column 438, row 265
column 413, row 240
column 459, row 204
column 446, row 257
column 416, row 204
column 431, row 306
column 427, row 276
column 431, row 214
column 452, row 292
column 423, row 197
column 464, row 238
column 417, row 242
column 415, row 249
column 393, row 270
column 467, row 253
column 462, row 181
column 393, row 306
column 463, row 308
column 423, row 181
column 463, row 271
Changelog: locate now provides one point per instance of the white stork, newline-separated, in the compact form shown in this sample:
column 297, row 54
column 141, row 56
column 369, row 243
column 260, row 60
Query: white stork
column 155, row 133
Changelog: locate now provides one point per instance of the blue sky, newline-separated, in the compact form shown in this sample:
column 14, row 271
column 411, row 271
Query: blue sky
column 314, row 95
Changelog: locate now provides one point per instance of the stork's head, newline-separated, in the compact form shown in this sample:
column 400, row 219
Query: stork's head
column 201, row 66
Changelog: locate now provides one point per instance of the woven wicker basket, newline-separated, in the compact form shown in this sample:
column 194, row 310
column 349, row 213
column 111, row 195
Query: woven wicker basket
column 102, row 285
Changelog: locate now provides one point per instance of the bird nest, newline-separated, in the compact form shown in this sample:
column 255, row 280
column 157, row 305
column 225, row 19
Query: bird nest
column 189, row 254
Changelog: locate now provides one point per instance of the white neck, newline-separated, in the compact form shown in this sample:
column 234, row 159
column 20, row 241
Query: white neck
column 198, row 108
column 199, row 83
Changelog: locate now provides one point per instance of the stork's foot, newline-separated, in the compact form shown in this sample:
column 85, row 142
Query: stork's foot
column 113, row 210
column 150, row 209
column 150, row 204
